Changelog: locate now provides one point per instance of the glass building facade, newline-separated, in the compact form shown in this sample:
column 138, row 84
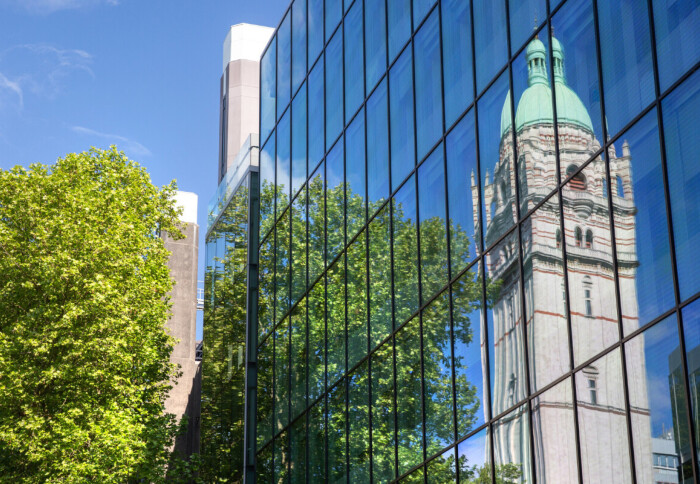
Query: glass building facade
column 476, row 262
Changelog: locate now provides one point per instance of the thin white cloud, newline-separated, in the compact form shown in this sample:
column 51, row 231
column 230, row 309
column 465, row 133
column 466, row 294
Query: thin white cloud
column 7, row 85
column 45, row 7
column 133, row 147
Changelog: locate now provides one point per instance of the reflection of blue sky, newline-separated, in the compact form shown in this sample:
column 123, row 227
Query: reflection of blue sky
column 474, row 449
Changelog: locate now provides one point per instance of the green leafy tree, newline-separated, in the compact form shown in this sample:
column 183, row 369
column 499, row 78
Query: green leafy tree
column 84, row 355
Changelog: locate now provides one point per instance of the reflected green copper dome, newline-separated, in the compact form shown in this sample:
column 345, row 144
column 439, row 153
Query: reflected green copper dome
column 535, row 105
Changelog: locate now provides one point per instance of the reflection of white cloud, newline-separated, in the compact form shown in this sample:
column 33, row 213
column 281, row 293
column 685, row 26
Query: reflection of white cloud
column 133, row 147
column 44, row 7
column 474, row 448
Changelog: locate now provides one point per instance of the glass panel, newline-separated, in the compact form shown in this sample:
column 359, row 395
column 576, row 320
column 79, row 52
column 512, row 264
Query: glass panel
column 268, row 89
column 420, row 10
column 405, row 252
column 298, row 451
column 375, row 41
column 316, row 124
column 474, row 459
column 511, row 448
column 282, row 375
column 415, row 477
column 433, row 236
column 335, row 307
column 282, row 459
column 437, row 375
column 496, row 158
column 265, row 393
column 299, row 140
column 463, row 210
column 691, row 329
column 317, row 442
column 525, row 17
column 334, row 88
column 592, row 299
column 380, row 290
column 283, row 162
column 317, row 219
column 298, row 43
column 490, row 37
column 677, row 23
column 457, row 64
column 317, row 340
column 335, row 202
column 267, row 186
column 266, row 287
column 383, row 436
column 337, row 435
column 355, row 188
column 399, row 12
column 657, row 398
column 358, row 422
column 282, row 258
column 334, row 13
column 545, row 302
column 681, row 118
column 641, row 232
column 357, row 300
column 576, row 81
column 428, row 85
column 354, row 63
column 602, row 424
column 377, row 149
column 442, row 469
column 263, row 469
column 408, row 396
column 298, row 243
column 284, row 57
column 298, row 358
column 628, row 79
column 315, row 29
column 468, row 327
column 506, row 344
column 554, row 435
column 401, row 111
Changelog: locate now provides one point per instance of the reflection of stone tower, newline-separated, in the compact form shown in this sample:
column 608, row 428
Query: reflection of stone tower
column 593, row 310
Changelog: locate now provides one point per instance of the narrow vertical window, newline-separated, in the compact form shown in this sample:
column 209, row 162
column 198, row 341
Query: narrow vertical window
column 578, row 236
column 587, row 289
column 593, row 391
column 589, row 238
column 620, row 187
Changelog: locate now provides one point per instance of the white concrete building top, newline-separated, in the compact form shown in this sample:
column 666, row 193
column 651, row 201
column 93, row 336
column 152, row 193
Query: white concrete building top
column 188, row 202
column 246, row 41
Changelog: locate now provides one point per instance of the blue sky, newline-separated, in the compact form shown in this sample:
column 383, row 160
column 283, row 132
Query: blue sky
column 141, row 74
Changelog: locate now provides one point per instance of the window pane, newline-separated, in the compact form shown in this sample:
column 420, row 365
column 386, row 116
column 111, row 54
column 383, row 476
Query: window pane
column 377, row 149
column 334, row 12
column 380, row 289
column 266, row 285
column 463, row 210
column 525, row 16
column 691, row 329
column 298, row 244
column 399, row 12
column 282, row 459
column 641, row 232
column 511, row 447
column 383, row 435
column 315, row 29
column 268, row 89
column 317, row 442
column 317, row 340
column 428, row 85
column 681, row 117
column 405, row 252
column 337, row 435
column 335, row 307
column 355, row 188
column 602, row 424
column 298, row 451
column 298, row 43
column 267, row 186
column 283, row 275
column 442, row 469
column 358, row 421
column 316, row 124
column 457, row 64
column 317, row 219
column 357, row 300
column 677, row 24
column 283, row 162
column 284, row 47
column 473, row 456
column 264, row 393
column 263, row 468
column 375, row 41
column 299, row 140
column 408, row 392
column 490, row 37
column 282, row 375
column 433, row 236
column 334, row 89
column 420, row 10
column 298, row 359
column 401, row 111
column 335, row 202
column 354, row 63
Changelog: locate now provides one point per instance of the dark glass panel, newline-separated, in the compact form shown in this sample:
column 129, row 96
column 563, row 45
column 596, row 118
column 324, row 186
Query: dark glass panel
column 334, row 88
column 628, row 78
column 298, row 43
column 496, row 158
column 641, row 231
column 511, row 447
column 284, row 68
column 437, row 375
column 491, row 39
column 317, row 339
column 428, row 85
column 525, row 17
column 506, row 338
column 433, row 233
column 415, row 477
column 315, row 20
column 337, row 435
column 317, row 442
column 545, row 304
column 659, row 414
column 602, row 424
column 408, row 396
column 375, row 41
column 468, row 326
column 265, row 392
column 298, row 358
column 357, row 300
column 442, row 469
column 335, row 307
column 457, row 63
column 299, row 140
column 399, row 13
column 266, row 287
column 268, row 89
column 406, row 297
column 355, row 188
column 576, row 74
column 591, row 285
column 681, row 118
column 691, row 330
column 554, row 435
column 316, row 124
column 267, row 186
column 358, row 423
column 420, row 10
column 283, row 273
column 335, row 202
column 334, row 13
column 297, row 465
column 282, row 370
column 380, row 288
column 677, row 23
column 354, row 63
column 282, row 459
column 377, row 148
column 264, row 473
column 383, row 436
column 317, row 220
column 283, row 162
column 473, row 457
column 463, row 209
column 298, row 246
column 403, row 158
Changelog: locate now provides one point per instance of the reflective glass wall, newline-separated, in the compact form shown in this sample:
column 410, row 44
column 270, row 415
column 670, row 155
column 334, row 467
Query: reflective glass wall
column 476, row 231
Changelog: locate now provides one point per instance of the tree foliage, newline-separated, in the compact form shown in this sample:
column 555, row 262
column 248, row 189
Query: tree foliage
column 84, row 356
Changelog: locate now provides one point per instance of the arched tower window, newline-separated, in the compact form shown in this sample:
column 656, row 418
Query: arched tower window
column 578, row 182
column 589, row 238
column 587, row 296
column 578, row 235
column 504, row 195
column 620, row 187
column 558, row 238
